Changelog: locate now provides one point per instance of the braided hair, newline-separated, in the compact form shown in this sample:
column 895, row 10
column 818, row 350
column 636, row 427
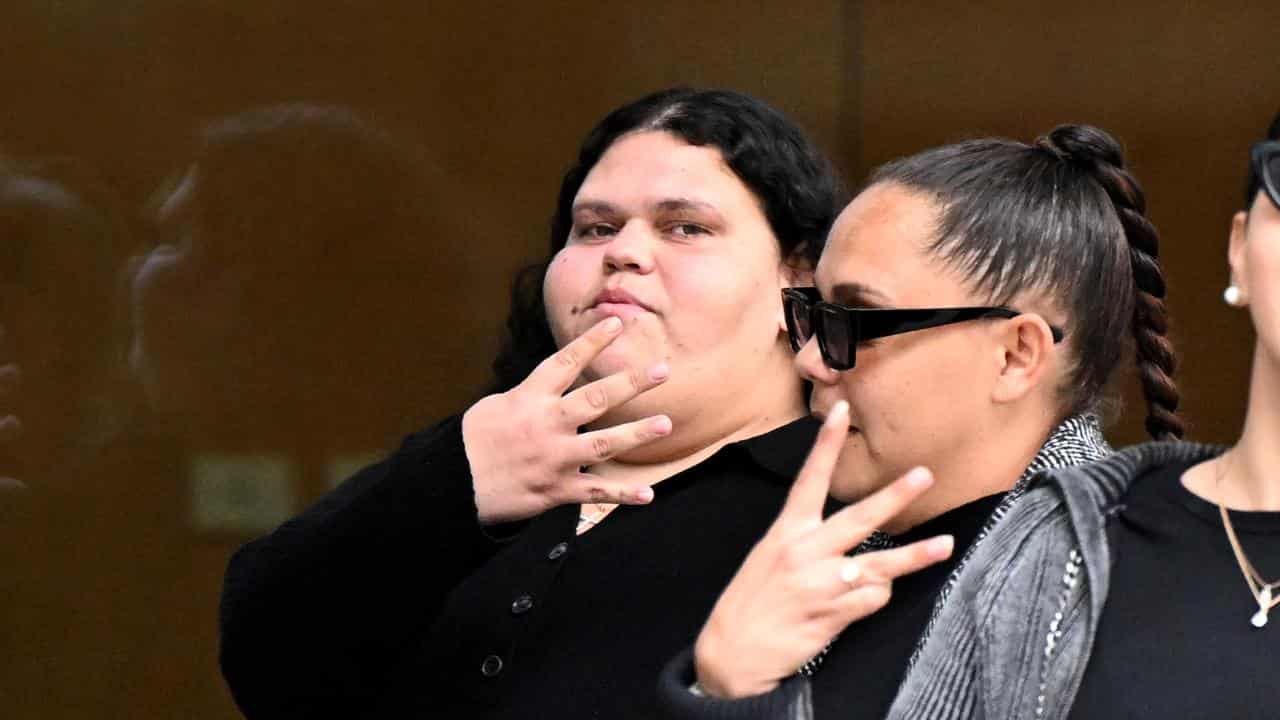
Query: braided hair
column 1063, row 217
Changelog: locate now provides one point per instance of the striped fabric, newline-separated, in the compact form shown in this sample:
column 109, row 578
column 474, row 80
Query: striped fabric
column 1077, row 440
column 1014, row 638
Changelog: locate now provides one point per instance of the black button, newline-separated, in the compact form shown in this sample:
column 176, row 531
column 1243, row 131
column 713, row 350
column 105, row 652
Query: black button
column 522, row 605
column 491, row 666
column 558, row 551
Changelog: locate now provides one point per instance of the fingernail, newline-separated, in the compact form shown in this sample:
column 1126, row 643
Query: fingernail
column 644, row 494
column 612, row 325
column 919, row 477
column 942, row 546
column 661, row 425
column 839, row 412
column 850, row 571
column 659, row 372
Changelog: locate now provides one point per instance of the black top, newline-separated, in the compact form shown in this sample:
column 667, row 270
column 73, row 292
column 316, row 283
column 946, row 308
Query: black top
column 860, row 674
column 388, row 598
column 1175, row 639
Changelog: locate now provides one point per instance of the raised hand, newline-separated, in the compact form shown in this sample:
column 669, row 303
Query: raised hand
column 797, row 590
column 524, row 447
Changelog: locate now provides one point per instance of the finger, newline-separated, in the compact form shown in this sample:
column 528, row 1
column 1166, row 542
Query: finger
column 600, row 445
column 888, row 565
column 860, row 602
column 809, row 492
column 845, row 529
column 587, row 488
column 558, row 372
column 595, row 399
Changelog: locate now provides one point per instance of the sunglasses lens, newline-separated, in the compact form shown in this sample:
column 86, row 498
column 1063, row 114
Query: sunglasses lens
column 798, row 322
column 1271, row 176
column 835, row 340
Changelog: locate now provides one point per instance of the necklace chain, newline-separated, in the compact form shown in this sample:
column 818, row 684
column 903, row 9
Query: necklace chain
column 586, row 520
column 1258, row 585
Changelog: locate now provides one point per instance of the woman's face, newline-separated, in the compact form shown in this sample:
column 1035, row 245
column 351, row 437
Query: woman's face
column 667, row 238
column 1255, row 264
column 912, row 397
column 184, row 309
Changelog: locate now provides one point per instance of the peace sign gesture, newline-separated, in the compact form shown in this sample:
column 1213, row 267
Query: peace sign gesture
column 524, row 447
column 797, row 590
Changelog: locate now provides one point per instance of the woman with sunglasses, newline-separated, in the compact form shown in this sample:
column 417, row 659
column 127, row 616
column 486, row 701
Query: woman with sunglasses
column 977, row 299
column 495, row 566
column 1143, row 585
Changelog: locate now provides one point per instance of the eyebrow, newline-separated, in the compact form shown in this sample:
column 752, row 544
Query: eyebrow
column 685, row 204
column 601, row 207
column 852, row 293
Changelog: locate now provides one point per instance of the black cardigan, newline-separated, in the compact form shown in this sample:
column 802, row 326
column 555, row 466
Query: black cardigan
column 387, row 598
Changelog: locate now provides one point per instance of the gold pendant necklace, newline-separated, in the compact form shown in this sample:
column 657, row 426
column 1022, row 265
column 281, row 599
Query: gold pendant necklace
column 1258, row 586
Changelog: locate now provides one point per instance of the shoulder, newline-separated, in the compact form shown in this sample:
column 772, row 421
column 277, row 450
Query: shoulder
column 1092, row 489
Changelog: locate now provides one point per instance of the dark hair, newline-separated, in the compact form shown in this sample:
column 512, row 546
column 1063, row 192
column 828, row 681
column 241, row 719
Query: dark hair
column 1062, row 216
column 794, row 183
column 326, row 218
column 300, row 177
column 1253, row 183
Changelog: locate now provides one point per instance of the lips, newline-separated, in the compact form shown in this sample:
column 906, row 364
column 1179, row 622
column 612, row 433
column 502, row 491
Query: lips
column 618, row 300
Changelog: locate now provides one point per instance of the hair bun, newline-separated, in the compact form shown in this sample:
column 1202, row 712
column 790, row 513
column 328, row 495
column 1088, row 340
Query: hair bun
column 1084, row 144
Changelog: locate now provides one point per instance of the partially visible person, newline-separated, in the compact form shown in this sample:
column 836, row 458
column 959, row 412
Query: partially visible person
column 58, row 361
column 92, row 550
column 1141, row 585
column 973, row 304
column 497, row 564
column 295, row 255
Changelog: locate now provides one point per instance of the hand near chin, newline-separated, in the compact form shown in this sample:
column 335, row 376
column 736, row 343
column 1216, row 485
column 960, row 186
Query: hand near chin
column 797, row 590
column 525, row 451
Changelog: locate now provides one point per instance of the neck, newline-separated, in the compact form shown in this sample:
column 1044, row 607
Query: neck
column 1250, row 473
column 699, row 433
column 990, row 462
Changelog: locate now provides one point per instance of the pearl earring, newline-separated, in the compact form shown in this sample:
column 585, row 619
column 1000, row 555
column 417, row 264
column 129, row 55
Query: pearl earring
column 1232, row 296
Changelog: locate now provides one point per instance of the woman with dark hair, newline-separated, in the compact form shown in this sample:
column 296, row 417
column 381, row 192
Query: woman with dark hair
column 1142, row 585
column 494, row 566
column 972, row 304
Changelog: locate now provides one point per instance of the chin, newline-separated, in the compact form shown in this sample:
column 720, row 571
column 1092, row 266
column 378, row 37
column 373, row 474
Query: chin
column 621, row 356
column 854, row 477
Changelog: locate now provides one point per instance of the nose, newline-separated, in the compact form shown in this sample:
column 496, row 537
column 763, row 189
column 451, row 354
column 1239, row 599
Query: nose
column 809, row 364
column 631, row 250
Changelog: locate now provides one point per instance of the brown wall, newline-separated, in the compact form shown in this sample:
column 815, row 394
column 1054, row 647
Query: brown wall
column 108, row 592
column 108, row 597
column 1185, row 86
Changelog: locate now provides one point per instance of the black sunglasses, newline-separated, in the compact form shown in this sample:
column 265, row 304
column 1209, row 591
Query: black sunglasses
column 1264, row 163
column 840, row 328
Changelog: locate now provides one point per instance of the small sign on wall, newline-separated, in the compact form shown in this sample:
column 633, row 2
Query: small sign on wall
column 242, row 494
